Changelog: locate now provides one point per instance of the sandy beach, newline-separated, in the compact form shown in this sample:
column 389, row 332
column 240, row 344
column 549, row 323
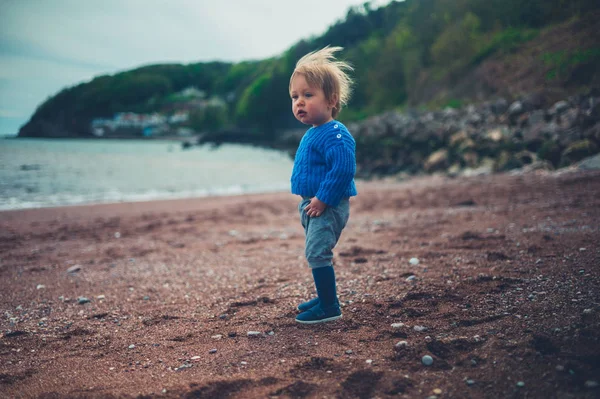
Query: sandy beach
column 196, row 298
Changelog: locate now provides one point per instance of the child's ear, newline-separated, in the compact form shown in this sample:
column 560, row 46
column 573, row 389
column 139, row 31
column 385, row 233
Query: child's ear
column 333, row 101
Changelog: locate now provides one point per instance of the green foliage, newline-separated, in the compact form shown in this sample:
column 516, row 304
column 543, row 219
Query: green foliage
column 454, row 103
column 561, row 62
column 505, row 41
column 457, row 44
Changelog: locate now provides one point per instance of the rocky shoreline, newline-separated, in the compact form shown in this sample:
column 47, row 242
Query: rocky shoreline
column 494, row 136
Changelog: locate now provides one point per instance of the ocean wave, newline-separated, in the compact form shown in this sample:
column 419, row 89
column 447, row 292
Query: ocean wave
column 113, row 196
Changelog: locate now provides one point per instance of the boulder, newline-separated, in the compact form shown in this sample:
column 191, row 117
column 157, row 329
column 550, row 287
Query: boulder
column 495, row 135
column 591, row 163
column 578, row 151
column 558, row 108
column 437, row 161
column 508, row 161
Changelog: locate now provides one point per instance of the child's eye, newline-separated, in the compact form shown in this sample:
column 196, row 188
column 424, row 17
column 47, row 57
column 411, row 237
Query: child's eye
column 308, row 95
column 294, row 97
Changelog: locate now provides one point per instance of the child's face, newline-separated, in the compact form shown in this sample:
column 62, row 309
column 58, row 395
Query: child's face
column 309, row 104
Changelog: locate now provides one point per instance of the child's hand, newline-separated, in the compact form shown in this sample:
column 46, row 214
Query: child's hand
column 315, row 208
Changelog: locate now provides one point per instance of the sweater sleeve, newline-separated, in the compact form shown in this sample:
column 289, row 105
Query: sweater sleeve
column 341, row 165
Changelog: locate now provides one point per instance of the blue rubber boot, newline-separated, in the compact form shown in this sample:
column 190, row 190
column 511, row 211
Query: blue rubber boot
column 304, row 306
column 328, row 308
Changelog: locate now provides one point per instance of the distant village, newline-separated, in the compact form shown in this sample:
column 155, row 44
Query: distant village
column 175, row 121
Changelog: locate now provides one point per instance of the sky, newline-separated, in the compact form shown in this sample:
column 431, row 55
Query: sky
column 47, row 45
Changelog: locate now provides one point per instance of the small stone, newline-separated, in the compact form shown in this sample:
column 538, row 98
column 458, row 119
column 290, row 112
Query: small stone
column 349, row 352
column 470, row 382
column 132, row 346
column 218, row 336
column 401, row 345
column 223, row 316
column 111, row 368
column 397, row 325
column 587, row 311
column 146, row 298
column 195, row 358
column 253, row 333
column 414, row 261
column 420, row 328
column 437, row 391
column 164, row 390
column 212, row 351
column 243, row 363
column 81, row 300
column 520, row 384
column 117, row 235
column 591, row 384
column 40, row 286
column 74, row 269
column 427, row 360
column 101, row 297
column 582, row 249
column 560, row 368
column 369, row 361
column 411, row 278
column 271, row 333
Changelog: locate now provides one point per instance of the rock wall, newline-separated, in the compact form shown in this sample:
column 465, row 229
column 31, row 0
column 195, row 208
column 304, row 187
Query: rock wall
column 491, row 137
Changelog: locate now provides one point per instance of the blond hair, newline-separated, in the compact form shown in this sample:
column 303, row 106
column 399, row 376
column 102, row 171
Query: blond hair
column 321, row 69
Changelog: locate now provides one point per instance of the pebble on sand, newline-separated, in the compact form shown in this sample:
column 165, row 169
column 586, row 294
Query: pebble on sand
column 74, row 269
column 427, row 360
column 401, row 345
column 397, row 325
column 81, row 300
column 414, row 261
column 253, row 333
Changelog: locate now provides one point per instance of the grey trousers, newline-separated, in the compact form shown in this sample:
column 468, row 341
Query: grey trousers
column 323, row 232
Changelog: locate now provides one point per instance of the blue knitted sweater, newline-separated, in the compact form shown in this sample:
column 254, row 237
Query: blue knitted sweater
column 325, row 164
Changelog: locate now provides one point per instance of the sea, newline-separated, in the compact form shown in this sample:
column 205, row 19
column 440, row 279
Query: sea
column 36, row 173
